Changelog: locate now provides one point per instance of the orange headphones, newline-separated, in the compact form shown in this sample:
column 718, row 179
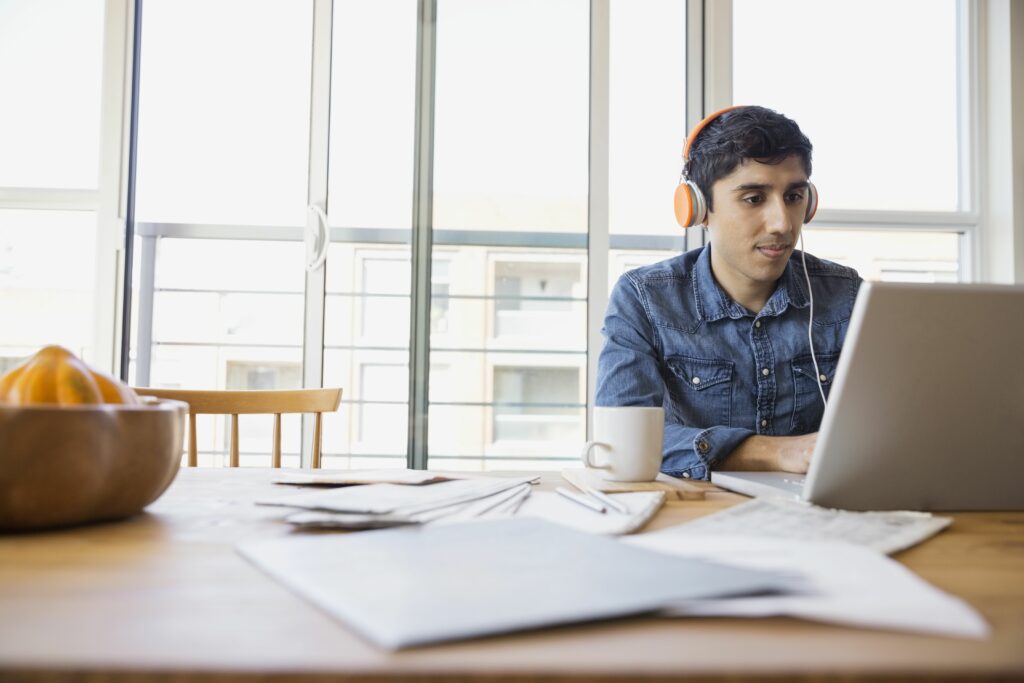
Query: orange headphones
column 691, row 206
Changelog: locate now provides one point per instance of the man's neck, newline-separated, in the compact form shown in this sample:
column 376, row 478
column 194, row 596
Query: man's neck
column 751, row 295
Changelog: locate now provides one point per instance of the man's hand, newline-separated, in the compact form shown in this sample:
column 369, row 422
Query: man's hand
column 766, row 453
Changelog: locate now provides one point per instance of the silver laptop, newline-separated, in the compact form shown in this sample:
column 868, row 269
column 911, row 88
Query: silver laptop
column 927, row 409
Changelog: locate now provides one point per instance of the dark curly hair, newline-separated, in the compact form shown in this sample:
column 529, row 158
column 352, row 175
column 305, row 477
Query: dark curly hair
column 744, row 133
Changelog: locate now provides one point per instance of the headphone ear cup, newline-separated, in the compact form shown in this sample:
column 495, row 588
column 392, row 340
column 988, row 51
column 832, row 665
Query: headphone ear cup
column 690, row 207
column 812, row 203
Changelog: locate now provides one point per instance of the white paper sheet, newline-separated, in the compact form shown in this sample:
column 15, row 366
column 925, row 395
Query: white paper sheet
column 847, row 584
column 354, row 477
column 886, row 532
column 554, row 508
column 416, row 585
column 396, row 499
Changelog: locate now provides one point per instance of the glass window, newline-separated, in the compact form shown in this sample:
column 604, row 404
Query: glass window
column 47, row 274
column 261, row 376
column 373, row 92
column 51, row 57
column 223, row 141
column 378, row 423
column 224, row 122
column 536, row 295
column 511, row 112
column 511, row 156
column 219, row 304
column 891, row 255
column 881, row 114
column 536, row 404
column 647, row 115
column 366, row 342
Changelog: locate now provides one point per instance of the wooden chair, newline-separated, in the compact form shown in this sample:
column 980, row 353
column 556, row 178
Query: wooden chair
column 235, row 403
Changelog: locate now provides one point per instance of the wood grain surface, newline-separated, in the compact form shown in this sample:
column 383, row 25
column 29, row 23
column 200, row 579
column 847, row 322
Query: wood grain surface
column 164, row 596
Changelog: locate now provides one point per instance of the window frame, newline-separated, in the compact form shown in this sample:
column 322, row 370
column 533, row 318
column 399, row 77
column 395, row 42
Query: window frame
column 965, row 220
column 107, row 199
column 708, row 88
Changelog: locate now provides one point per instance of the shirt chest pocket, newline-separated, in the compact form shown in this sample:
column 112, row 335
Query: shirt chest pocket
column 701, row 388
column 807, row 404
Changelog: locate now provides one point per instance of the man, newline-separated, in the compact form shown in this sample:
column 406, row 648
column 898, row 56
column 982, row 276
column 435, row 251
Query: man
column 718, row 336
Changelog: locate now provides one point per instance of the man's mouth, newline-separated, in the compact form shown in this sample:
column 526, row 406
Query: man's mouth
column 773, row 250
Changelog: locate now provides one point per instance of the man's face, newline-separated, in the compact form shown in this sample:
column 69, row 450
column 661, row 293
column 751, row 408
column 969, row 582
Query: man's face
column 759, row 210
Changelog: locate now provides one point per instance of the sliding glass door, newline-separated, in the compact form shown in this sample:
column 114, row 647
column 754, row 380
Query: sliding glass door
column 219, row 277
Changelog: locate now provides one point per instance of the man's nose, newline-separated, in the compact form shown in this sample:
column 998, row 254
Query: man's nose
column 778, row 219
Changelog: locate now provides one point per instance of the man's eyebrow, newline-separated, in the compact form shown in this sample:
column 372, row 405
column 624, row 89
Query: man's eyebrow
column 745, row 187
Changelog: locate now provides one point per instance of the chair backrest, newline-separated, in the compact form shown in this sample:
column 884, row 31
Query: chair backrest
column 235, row 403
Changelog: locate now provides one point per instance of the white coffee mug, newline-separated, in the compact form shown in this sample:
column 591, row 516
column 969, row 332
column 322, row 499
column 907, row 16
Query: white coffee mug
column 630, row 438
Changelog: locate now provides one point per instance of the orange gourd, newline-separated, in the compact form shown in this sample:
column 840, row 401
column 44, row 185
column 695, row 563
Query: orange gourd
column 55, row 375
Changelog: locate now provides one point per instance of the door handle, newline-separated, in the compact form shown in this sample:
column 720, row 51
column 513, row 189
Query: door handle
column 317, row 240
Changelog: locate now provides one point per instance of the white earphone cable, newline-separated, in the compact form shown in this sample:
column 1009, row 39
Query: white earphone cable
column 810, row 321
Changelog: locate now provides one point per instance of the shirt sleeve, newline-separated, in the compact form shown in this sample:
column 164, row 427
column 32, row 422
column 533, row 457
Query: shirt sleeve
column 628, row 374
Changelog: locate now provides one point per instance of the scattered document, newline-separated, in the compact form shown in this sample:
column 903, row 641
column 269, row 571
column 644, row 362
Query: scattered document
column 381, row 505
column 844, row 584
column 316, row 519
column 501, row 504
column 416, row 585
column 642, row 505
column 886, row 532
column 677, row 489
column 355, row 477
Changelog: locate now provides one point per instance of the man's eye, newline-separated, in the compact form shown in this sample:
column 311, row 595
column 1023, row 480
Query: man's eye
column 754, row 199
column 794, row 197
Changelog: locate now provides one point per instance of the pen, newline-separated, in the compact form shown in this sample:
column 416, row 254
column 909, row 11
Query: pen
column 607, row 500
column 582, row 500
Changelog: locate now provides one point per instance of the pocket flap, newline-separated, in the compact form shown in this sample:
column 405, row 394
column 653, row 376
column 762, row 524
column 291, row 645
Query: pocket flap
column 700, row 373
column 827, row 362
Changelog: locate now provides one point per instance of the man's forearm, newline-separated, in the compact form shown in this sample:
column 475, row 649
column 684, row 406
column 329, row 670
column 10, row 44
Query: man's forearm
column 768, row 453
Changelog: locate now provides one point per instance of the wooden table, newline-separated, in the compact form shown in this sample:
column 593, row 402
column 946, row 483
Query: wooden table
column 164, row 596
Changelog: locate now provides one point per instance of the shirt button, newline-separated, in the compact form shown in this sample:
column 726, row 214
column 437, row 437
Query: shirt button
column 702, row 446
column 696, row 380
column 765, row 371
column 823, row 378
column 686, row 475
column 757, row 323
column 764, row 423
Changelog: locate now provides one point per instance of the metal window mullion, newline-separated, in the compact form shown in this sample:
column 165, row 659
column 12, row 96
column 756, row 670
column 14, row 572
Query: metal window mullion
column 716, row 70
column 45, row 198
column 319, row 145
column 694, row 91
column 422, row 220
column 131, row 171
column 717, row 55
column 969, row 173
column 114, row 112
column 147, row 289
column 597, row 210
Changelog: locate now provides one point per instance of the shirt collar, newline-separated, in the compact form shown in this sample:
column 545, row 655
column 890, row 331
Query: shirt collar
column 714, row 304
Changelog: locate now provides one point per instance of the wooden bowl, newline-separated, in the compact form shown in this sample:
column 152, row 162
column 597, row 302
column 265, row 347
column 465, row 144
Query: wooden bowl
column 63, row 465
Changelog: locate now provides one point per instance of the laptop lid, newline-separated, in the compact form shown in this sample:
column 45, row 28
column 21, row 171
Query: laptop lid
column 927, row 409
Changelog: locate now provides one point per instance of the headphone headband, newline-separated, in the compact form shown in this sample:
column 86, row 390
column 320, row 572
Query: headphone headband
column 701, row 126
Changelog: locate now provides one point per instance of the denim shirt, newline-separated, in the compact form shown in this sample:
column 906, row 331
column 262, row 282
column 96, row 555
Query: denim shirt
column 674, row 338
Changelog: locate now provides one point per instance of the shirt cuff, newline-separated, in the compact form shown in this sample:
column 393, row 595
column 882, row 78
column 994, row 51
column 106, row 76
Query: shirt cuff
column 709, row 448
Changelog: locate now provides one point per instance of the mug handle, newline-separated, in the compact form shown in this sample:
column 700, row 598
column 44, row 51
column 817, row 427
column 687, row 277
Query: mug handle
column 587, row 452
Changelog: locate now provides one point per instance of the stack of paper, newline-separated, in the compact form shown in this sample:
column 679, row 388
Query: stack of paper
column 356, row 477
column 886, row 532
column 382, row 505
column 843, row 584
column 404, row 587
